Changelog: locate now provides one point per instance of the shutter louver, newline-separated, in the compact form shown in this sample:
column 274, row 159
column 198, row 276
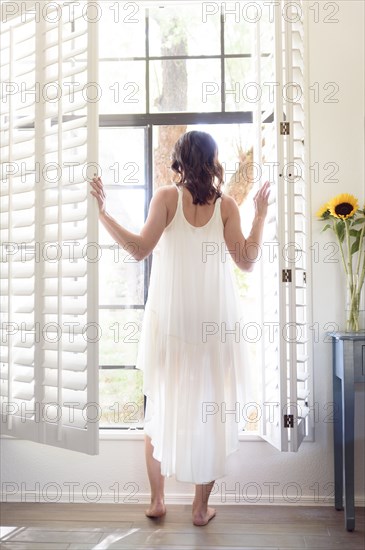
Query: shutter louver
column 49, row 367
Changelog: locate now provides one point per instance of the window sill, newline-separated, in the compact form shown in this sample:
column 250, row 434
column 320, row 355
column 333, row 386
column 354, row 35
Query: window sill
column 118, row 434
column 138, row 435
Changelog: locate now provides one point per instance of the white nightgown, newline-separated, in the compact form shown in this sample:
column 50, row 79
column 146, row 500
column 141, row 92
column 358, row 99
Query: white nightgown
column 192, row 352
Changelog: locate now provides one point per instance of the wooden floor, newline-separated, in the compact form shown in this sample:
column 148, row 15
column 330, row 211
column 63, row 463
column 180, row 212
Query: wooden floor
column 56, row 526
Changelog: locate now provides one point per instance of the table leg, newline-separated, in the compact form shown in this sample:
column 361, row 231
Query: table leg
column 348, row 436
column 338, row 447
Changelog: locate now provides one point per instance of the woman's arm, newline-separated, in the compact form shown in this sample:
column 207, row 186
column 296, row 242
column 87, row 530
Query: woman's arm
column 246, row 251
column 145, row 242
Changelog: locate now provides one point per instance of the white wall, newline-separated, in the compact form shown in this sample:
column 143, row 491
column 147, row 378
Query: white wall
column 336, row 54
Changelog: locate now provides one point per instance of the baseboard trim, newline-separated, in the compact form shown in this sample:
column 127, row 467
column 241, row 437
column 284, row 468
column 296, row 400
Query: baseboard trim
column 182, row 499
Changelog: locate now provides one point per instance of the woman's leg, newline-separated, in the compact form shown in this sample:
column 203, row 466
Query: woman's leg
column 157, row 507
column 201, row 512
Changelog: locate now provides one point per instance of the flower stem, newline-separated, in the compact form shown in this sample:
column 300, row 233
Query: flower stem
column 354, row 287
column 361, row 277
column 340, row 244
column 360, row 267
column 360, row 248
column 349, row 256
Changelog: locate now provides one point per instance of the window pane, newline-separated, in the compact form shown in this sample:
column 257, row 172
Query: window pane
column 123, row 87
column 179, row 85
column 122, row 155
column 184, row 31
column 121, row 398
column 127, row 207
column 240, row 31
column 120, row 332
column 267, row 32
column 164, row 139
column 238, row 36
column 121, row 279
column 242, row 90
column 122, row 30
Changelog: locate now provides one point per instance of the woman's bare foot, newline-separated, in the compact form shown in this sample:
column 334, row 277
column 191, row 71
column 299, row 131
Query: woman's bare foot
column 202, row 518
column 156, row 510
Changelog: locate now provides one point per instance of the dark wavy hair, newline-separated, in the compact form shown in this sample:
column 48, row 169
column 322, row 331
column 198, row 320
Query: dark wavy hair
column 195, row 160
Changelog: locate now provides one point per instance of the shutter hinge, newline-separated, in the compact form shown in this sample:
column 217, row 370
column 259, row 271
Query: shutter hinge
column 288, row 421
column 286, row 276
column 284, row 128
column 304, row 277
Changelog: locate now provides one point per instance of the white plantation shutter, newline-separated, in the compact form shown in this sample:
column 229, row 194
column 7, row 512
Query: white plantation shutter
column 267, row 150
column 18, row 45
column 49, row 339
column 285, row 351
column 299, row 377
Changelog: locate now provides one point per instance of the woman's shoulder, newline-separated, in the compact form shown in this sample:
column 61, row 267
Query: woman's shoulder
column 228, row 205
column 165, row 192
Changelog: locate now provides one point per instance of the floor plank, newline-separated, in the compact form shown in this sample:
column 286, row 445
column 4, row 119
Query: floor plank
column 95, row 526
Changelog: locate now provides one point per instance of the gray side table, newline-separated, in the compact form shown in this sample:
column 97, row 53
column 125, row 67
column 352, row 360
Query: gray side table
column 348, row 355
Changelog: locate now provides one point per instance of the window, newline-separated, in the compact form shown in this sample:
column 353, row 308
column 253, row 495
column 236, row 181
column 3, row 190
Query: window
column 161, row 75
column 240, row 76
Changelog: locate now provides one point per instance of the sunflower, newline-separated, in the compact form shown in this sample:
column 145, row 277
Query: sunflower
column 323, row 212
column 343, row 206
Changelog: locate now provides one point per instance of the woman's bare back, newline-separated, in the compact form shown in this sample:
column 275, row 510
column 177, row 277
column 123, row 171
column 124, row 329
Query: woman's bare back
column 197, row 215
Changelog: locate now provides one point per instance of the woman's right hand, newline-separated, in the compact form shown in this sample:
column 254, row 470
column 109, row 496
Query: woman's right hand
column 261, row 200
column 98, row 193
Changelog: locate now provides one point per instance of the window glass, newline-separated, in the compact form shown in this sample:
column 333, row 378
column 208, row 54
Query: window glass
column 123, row 87
column 122, row 30
column 238, row 36
column 125, row 205
column 121, row 278
column 121, row 398
column 120, row 333
column 242, row 90
column 191, row 30
column 185, row 85
column 122, row 156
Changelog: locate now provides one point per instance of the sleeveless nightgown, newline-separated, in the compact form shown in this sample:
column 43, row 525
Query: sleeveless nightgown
column 192, row 352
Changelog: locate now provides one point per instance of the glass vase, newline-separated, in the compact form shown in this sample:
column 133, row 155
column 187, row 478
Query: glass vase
column 355, row 309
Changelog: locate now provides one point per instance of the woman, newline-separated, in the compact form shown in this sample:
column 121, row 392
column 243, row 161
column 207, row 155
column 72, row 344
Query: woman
column 191, row 349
